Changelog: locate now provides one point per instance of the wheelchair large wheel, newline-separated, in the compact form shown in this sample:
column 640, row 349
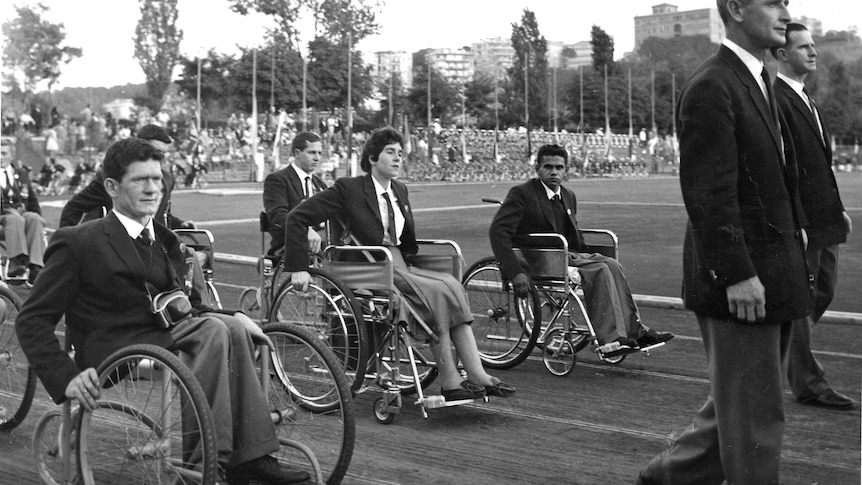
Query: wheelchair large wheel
column 312, row 400
column 153, row 423
column 17, row 379
column 506, row 327
column 329, row 309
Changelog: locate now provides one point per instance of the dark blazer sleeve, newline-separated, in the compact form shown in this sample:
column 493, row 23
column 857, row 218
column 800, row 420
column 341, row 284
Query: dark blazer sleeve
column 42, row 310
column 504, row 226
column 311, row 212
column 709, row 176
column 32, row 203
column 88, row 202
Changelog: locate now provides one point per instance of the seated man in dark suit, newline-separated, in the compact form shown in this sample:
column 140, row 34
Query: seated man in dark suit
column 285, row 189
column 21, row 219
column 543, row 205
column 89, row 203
column 96, row 277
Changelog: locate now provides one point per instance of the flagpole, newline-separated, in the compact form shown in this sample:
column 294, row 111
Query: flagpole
column 581, row 122
column 631, row 128
column 527, row 102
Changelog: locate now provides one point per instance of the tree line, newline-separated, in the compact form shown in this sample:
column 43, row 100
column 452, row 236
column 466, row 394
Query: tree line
column 529, row 93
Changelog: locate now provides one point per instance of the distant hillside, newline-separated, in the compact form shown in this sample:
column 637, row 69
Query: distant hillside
column 70, row 101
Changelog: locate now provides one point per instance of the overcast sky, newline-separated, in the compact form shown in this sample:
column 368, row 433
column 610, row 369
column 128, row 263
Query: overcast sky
column 104, row 28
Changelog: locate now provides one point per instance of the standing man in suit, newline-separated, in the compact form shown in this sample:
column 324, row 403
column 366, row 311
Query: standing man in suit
column 90, row 202
column 744, row 272
column 96, row 277
column 542, row 204
column 829, row 223
column 21, row 219
column 285, row 189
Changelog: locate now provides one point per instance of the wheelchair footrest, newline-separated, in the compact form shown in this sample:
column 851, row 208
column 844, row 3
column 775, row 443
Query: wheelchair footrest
column 437, row 401
column 646, row 350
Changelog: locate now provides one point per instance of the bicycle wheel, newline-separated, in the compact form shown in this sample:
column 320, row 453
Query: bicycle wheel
column 506, row 327
column 17, row 379
column 312, row 399
column 153, row 423
column 328, row 309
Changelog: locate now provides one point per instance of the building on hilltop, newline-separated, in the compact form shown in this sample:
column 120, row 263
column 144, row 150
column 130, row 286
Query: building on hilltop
column 667, row 22
column 493, row 55
column 387, row 62
column 456, row 65
column 815, row 26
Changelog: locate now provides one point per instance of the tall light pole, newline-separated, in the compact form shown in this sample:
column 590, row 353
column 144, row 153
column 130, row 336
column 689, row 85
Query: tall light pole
column 527, row 100
column 391, row 75
column 581, row 121
column 198, row 113
column 304, row 96
column 496, row 111
column 349, row 89
column 428, row 131
column 631, row 128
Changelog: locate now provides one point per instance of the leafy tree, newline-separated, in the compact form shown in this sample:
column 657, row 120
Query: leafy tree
column 603, row 50
column 399, row 100
column 288, row 85
column 445, row 99
column 530, row 51
column 34, row 48
column 216, row 102
column 842, row 106
column 679, row 55
column 327, row 71
column 157, row 47
column 480, row 100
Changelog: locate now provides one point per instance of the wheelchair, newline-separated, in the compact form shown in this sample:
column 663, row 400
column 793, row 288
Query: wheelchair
column 202, row 242
column 351, row 303
column 552, row 316
column 153, row 424
column 17, row 379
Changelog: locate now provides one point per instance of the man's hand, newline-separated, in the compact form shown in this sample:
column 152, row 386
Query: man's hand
column 313, row 241
column 848, row 222
column 522, row 283
column 254, row 330
column 188, row 225
column 85, row 389
column 300, row 280
column 804, row 235
column 747, row 300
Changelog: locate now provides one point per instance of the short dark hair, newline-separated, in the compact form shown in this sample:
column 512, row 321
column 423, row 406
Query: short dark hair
column 302, row 139
column 791, row 27
column 154, row 132
column 551, row 150
column 722, row 9
column 376, row 143
column 123, row 153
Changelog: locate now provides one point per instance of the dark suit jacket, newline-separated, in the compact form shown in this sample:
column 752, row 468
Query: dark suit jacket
column 817, row 187
column 95, row 277
column 22, row 194
column 88, row 204
column 354, row 202
column 528, row 210
column 740, row 194
column 282, row 192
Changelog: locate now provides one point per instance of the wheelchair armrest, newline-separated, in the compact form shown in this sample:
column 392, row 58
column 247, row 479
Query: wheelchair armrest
column 371, row 269
column 602, row 241
column 546, row 255
column 444, row 256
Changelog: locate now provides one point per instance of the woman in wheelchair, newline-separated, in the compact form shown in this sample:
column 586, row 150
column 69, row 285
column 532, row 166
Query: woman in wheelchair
column 376, row 211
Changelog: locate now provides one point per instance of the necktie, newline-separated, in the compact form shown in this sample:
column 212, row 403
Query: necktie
column 145, row 237
column 770, row 97
column 559, row 213
column 391, row 230
column 813, row 107
column 308, row 187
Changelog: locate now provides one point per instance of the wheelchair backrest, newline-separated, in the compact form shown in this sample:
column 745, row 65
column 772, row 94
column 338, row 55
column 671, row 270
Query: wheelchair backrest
column 360, row 267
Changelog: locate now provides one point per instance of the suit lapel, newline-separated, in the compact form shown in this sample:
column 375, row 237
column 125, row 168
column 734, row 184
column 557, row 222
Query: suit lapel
column 370, row 196
column 799, row 105
column 545, row 204
column 756, row 96
column 294, row 180
column 401, row 193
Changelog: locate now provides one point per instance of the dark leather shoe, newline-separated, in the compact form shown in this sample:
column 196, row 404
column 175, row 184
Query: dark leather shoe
column 828, row 399
column 651, row 337
column 34, row 272
column 265, row 469
column 17, row 266
column 618, row 347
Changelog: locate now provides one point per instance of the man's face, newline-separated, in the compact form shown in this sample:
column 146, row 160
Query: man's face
column 764, row 21
column 388, row 162
column 138, row 194
column 308, row 158
column 550, row 170
column 6, row 158
column 799, row 53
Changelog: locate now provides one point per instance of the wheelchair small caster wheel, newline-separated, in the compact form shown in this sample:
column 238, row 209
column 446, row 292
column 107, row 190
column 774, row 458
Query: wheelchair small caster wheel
column 381, row 414
column 558, row 354
column 613, row 360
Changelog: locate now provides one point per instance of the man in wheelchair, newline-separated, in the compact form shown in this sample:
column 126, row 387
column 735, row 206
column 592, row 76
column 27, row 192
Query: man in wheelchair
column 104, row 275
column 543, row 205
column 21, row 220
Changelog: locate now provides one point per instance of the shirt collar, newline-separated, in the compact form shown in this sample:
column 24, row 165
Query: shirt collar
column 795, row 85
column 754, row 65
column 133, row 227
column 302, row 173
column 379, row 189
column 550, row 193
